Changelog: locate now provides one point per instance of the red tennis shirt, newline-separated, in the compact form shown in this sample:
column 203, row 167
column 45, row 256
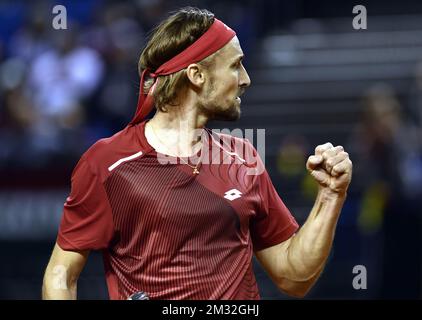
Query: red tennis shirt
column 166, row 231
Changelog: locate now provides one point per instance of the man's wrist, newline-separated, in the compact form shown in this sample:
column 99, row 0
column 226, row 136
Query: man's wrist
column 327, row 194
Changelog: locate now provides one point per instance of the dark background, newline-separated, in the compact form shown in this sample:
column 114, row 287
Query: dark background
column 314, row 79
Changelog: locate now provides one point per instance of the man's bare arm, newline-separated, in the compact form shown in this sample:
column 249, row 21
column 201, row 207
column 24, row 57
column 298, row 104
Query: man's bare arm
column 62, row 273
column 296, row 264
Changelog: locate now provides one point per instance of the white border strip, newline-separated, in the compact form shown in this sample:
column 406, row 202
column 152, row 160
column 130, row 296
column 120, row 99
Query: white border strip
column 120, row 161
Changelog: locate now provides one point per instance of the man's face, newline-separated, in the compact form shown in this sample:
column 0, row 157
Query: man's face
column 226, row 81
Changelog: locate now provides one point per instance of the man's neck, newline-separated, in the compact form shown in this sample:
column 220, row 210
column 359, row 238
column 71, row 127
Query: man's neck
column 176, row 132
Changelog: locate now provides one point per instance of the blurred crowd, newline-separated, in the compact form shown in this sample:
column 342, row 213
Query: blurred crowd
column 388, row 182
column 52, row 83
column 384, row 206
column 61, row 90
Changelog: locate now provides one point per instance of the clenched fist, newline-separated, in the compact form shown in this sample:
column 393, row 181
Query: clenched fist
column 331, row 168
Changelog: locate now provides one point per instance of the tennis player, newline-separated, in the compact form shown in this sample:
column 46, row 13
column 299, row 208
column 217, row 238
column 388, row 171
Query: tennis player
column 179, row 211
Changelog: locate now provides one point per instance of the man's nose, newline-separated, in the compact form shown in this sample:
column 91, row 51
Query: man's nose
column 244, row 80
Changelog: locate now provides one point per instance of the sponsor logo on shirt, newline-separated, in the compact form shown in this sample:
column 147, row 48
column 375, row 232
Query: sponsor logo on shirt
column 232, row 194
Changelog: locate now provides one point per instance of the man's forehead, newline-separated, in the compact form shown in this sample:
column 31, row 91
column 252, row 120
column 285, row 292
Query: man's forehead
column 232, row 49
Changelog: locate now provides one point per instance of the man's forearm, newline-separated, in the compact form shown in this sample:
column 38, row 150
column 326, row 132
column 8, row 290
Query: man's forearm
column 62, row 273
column 309, row 248
column 54, row 289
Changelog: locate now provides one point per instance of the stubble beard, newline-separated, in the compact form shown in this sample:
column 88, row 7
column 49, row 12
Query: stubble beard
column 215, row 111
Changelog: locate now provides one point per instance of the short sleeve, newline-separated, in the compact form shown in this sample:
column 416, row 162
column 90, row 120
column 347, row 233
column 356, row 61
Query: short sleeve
column 87, row 222
column 273, row 223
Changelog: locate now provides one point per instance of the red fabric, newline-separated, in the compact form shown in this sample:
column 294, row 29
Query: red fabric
column 87, row 221
column 211, row 41
column 167, row 232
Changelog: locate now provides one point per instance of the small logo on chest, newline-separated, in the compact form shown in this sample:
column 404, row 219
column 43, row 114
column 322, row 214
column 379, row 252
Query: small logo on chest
column 232, row 194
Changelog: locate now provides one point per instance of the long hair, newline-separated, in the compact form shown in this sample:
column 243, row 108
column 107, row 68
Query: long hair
column 169, row 38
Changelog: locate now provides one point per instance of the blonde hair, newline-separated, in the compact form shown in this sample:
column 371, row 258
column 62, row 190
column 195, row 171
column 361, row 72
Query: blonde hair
column 168, row 39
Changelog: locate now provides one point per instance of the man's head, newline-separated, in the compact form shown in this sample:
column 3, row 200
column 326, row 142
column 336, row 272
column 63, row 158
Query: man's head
column 224, row 81
column 215, row 82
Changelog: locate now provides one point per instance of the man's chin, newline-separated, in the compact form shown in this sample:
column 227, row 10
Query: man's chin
column 231, row 114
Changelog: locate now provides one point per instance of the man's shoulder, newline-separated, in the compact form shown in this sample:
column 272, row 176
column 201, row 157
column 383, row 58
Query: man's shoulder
column 106, row 151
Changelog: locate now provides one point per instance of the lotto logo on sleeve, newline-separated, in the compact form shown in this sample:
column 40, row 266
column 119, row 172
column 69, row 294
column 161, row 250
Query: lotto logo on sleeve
column 232, row 194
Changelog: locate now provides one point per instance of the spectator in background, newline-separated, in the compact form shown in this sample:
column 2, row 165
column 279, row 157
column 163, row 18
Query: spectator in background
column 291, row 158
column 33, row 37
column 389, row 174
column 58, row 81
column 16, row 114
column 118, row 36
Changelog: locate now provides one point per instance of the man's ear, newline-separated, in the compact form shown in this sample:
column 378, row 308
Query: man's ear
column 195, row 74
